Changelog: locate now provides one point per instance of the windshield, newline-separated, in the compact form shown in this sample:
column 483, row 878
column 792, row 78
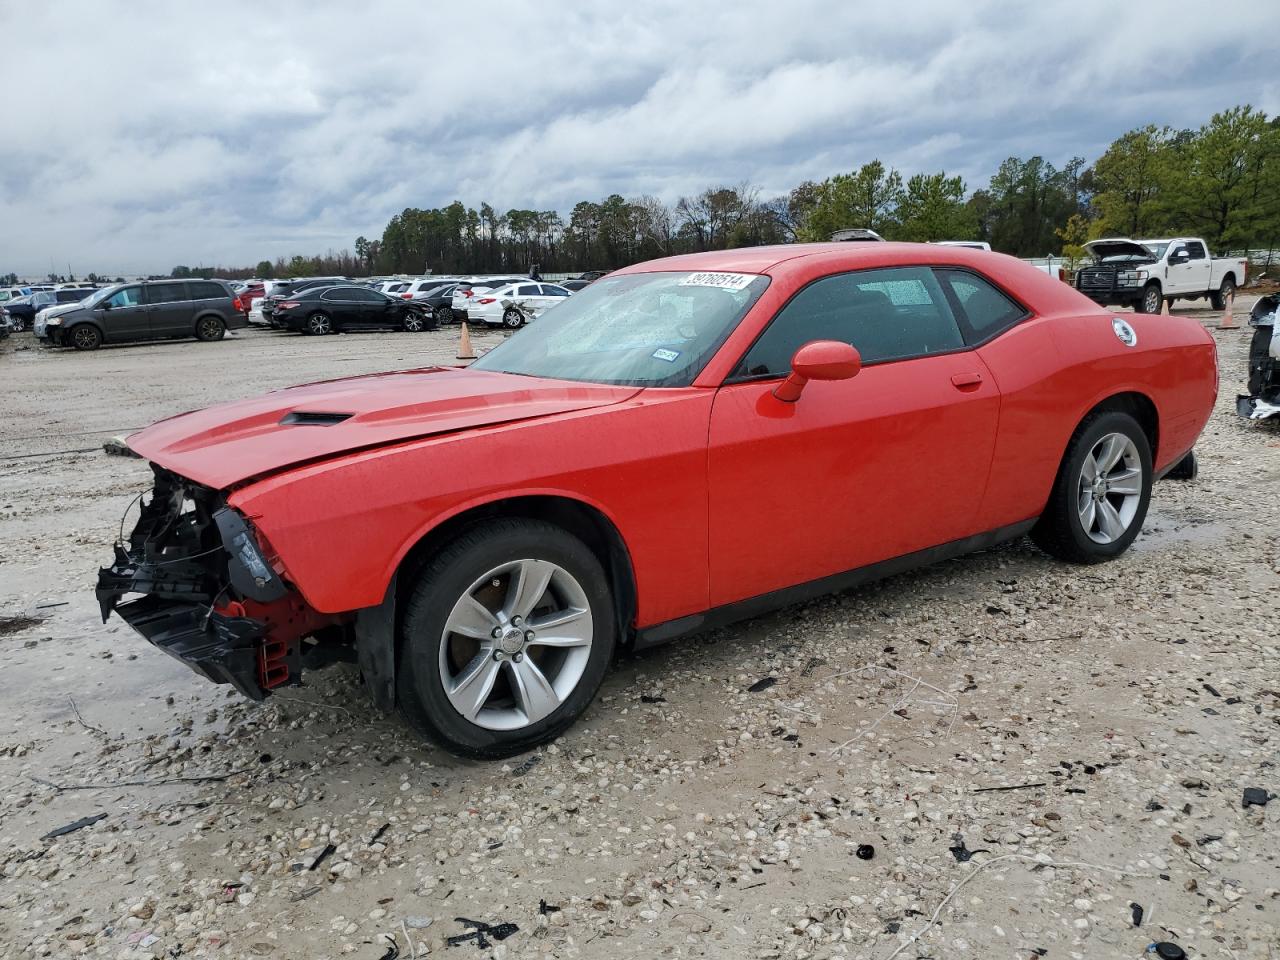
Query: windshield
column 641, row 329
column 1157, row 249
column 98, row 296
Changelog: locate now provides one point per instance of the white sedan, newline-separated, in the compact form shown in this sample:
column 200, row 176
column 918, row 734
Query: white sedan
column 515, row 304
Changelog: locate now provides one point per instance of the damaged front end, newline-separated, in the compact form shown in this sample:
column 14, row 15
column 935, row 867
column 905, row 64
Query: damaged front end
column 210, row 593
column 1263, row 399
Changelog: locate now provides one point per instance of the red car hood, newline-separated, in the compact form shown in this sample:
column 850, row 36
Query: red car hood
column 233, row 442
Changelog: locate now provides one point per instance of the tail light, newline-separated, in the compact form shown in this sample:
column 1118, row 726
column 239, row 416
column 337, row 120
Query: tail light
column 406, row 296
column 287, row 304
column 1062, row 274
column 236, row 305
column 465, row 293
column 482, row 301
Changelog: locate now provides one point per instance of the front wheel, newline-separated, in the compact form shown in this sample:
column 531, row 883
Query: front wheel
column 1100, row 496
column 414, row 322
column 444, row 315
column 1222, row 296
column 86, row 337
column 505, row 640
column 1150, row 302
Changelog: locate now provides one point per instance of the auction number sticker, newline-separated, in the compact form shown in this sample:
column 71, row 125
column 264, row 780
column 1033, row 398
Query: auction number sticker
column 725, row 281
column 668, row 355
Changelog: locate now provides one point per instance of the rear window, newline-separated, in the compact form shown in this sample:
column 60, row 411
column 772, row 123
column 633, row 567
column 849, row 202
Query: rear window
column 71, row 296
column 207, row 291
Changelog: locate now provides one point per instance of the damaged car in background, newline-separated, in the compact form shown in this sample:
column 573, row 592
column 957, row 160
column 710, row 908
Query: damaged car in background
column 1263, row 399
column 684, row 443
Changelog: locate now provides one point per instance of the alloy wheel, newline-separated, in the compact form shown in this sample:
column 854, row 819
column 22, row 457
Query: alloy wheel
column 413, row 322
column 319, row 324
column 1152, row 300
column 516, row 644
column 513, row 318
column 1110, row 488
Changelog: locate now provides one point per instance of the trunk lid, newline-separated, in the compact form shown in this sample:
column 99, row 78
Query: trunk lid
column 226, row 445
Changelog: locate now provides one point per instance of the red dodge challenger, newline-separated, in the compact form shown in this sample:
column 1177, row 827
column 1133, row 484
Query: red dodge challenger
column 683, row 443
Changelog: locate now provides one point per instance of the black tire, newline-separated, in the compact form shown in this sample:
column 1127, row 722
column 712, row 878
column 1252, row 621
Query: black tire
column 318, row 324
column 210, row 328
column 17, row 324
column 1150, row 302
column 1059, row 532
column 444, row 315
column 420, row 692
column 1188, row 468
column 512, row 319
column 1218, row 298
column 84, row 336
column 413, row 322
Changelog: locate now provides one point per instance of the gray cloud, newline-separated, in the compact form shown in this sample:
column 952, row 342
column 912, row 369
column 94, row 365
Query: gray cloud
column 152, row 133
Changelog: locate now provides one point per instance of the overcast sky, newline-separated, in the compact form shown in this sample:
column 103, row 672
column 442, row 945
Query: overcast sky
column 140, row 135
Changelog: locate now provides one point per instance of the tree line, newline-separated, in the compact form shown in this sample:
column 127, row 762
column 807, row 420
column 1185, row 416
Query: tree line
column 1220, row 181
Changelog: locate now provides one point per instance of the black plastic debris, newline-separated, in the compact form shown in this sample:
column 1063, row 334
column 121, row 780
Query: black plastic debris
column 528, row 764
column 1255, row 797
column 377, row 834
column 544, row 908
column 1138, row 913
column 324, row 855
column 1167, row 951
column 646, row 698
column 1209, row 687
column 480, row 933
column 393, row 948
column 1154, row 805
column 865, row 851
column 763, row 684
column 962, row 853
column 893, row 926
column 90, row 821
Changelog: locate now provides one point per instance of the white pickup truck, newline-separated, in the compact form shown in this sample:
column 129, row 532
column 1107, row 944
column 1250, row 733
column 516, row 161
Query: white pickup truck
column 1147, row 272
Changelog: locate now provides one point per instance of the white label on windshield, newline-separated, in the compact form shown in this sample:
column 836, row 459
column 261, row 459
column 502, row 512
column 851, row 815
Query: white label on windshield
column 725, row 281
column 668, row 355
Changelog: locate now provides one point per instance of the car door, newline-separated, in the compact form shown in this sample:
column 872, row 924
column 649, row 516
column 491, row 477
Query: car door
column 124, row 316
column 170, row 311
column 1199, row 268
column 342, row 310
column 380, row 310
column 1178, row 270
column 888, row 463
column 551, row 295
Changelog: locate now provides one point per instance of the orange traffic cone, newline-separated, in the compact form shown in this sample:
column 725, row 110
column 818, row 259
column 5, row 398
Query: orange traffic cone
column 1228, row 321
column 465, row 350
column 1164, row 308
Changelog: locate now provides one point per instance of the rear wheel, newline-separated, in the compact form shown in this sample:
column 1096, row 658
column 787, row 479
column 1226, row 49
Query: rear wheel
column 86, row 337
column 1224, row 294
column 444, row 315
column 1100, row 496
column 318, row 324
column 210, row 328
column 505, row 640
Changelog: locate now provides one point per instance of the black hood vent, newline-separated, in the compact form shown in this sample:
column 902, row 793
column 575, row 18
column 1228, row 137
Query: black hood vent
column 305, row 418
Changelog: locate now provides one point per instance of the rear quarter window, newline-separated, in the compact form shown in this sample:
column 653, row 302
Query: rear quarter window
column 983, row 309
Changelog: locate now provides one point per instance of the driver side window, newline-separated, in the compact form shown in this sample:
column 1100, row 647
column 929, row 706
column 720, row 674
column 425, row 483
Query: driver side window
column 128, row 297
column 890, row 314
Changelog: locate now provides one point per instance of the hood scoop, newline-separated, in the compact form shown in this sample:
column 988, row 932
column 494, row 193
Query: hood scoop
column 305, row 418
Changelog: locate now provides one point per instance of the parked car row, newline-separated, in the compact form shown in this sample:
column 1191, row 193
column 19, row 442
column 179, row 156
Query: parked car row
column 85, row 317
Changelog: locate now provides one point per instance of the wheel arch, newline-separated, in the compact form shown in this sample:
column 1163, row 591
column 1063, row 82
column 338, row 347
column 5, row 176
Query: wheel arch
column 1135, row 403
column 377, row 629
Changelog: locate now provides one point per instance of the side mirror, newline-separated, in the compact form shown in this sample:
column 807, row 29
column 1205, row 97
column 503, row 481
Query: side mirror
column 106, row 304
column 818, row 360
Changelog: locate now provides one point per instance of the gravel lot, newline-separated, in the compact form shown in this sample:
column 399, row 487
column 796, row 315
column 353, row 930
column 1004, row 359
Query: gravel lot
column 695, row 811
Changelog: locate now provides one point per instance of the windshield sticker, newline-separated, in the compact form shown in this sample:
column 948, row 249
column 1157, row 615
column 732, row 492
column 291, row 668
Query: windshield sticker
column 668, row 355
column 725, row 281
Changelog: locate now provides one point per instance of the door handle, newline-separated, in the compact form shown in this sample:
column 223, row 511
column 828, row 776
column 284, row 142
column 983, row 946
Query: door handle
column 966, row 381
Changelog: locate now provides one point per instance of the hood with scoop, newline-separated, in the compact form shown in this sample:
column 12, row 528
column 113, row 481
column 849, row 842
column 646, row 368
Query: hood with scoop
column 226, row 445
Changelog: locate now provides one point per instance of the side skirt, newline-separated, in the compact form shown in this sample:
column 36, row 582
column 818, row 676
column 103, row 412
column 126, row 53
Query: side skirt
column 836, row 583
